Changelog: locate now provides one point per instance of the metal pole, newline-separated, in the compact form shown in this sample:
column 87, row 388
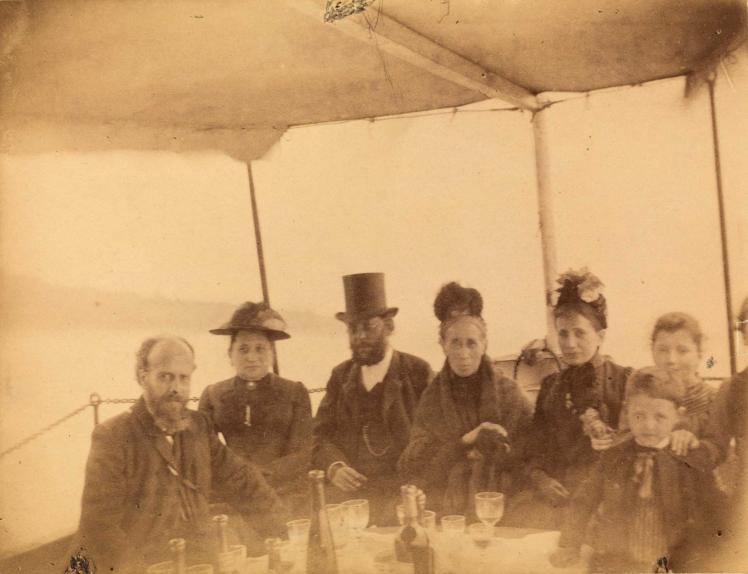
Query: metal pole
column 546, row 218
column 95, row 400
column 722, row 224
column 260, row 252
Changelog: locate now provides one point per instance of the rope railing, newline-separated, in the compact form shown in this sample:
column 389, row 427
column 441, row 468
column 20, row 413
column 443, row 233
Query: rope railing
column 94, row 401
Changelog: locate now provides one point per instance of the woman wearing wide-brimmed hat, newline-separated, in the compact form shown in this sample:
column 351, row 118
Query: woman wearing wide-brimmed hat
column 263, row 417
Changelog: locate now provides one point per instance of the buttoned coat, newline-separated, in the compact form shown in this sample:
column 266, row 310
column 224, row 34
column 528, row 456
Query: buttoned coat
column 683, row 488
column 278, row 438
column 337, row 428
column 140, row 491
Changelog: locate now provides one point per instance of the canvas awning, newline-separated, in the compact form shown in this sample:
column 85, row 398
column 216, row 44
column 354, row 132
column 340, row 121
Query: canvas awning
column 232, row 75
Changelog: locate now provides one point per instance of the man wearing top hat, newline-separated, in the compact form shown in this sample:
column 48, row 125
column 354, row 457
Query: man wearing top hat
column 363, row 422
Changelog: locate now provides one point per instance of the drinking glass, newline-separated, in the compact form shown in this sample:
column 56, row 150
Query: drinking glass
column 290, row 559
column 356, row 516
column 453, row 528
column 481, row 535
column 453, row 524
column 298, row 531
column 489, row 507
column 429, row 519
column 233, row 559
column 336, row 516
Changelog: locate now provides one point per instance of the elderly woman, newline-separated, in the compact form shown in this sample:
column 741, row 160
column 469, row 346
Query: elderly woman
column 263, row 417
column 578, row 408
column 468, row 419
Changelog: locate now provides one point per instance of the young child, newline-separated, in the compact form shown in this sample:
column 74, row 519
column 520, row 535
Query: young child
column 652, row 507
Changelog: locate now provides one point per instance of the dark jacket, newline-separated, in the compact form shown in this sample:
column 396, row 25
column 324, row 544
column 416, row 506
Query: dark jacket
column 436, row 459
column 140, row 491
column 279, row 437
column 337, row 426
column 728, row 418
column 683, row 486
column 557, row 443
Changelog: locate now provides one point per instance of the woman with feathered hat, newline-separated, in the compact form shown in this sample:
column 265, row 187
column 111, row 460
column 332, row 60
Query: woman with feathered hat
column 469, row 420
column 577, row 409
column 263, row 417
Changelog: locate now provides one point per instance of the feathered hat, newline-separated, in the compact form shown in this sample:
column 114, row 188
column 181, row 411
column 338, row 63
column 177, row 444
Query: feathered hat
column 582, row 288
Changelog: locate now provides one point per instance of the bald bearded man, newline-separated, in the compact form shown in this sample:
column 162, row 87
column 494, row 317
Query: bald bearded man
column 150, row 472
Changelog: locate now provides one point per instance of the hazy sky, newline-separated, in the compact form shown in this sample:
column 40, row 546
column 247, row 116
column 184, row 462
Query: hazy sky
column 425, row 199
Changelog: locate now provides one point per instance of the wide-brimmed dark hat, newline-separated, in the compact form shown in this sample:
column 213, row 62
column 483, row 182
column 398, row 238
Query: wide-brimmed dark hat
column 255, row 317
column 364, row 297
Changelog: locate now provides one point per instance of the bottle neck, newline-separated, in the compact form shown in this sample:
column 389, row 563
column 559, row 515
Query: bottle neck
column 317, row 491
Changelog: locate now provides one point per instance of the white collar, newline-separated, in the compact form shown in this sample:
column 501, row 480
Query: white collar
column 373, row 374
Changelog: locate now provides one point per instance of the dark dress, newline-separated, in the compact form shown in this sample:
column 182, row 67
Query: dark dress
column 438, row 462
column 557, row 443
column 728, row 422
column 269, row 423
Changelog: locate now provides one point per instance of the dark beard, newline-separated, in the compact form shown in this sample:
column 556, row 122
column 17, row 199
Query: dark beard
column 372, row 354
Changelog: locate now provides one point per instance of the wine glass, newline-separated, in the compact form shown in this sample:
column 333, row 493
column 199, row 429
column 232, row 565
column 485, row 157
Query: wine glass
column 481, row 535
column 298, row 531
column 453, row 524
column 356, row 516
column 453, row 528
column 489, row 507
column 429, row 520
column 336, row 516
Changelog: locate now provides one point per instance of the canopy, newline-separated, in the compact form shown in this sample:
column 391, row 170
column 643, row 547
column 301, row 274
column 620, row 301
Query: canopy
column 232, row 75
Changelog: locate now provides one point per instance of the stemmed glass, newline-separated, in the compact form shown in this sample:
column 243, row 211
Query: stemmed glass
column 453, row 528
column 356, row 516
column 489, row 508
column 481, row 535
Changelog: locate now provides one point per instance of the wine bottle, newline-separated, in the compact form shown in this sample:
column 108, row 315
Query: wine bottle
column 402, row 552
column 178, row 547
column 321, row 548
column 413, row 540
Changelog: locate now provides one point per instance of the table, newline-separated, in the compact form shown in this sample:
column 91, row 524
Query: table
column 512, row 550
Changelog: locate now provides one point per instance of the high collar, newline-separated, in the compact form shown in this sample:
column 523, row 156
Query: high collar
column 242, row 383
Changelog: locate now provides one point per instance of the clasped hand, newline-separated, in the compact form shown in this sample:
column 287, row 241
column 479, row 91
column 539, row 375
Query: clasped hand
column 469, row 438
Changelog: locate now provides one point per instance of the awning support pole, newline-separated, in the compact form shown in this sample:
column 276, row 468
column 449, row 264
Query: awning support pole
column 722, row 225
column 260, row 252
column 546, row 218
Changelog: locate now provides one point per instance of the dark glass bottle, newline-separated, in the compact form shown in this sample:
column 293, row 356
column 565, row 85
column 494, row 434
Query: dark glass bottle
column 412, row 543
column 321, row 548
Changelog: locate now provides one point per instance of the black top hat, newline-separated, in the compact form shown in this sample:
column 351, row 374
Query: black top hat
column 255, row 317
column 364, row 297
